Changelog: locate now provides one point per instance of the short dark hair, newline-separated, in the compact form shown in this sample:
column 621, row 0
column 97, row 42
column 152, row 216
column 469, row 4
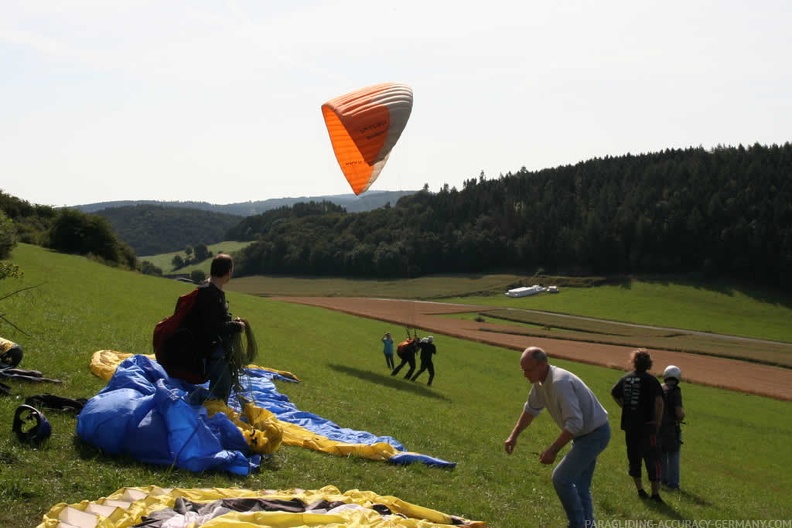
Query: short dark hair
column 221, row 265
column 641, row 360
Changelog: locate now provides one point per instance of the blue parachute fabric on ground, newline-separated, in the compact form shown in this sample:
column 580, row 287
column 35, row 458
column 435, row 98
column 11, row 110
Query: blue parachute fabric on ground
column 410, row 458
column 258, row 386
column 146, row 414
column 143, row 413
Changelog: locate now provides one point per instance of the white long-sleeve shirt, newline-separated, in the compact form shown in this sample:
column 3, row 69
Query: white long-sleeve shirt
column 568, row 400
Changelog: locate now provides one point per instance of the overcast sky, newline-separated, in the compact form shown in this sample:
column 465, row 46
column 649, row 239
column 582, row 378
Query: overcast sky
column 219, row 101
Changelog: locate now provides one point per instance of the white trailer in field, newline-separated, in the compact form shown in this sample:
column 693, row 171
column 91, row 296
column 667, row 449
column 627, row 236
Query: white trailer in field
column 525, row 291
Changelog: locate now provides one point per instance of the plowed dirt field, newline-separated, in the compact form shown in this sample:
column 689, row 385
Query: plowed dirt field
column 743, row 376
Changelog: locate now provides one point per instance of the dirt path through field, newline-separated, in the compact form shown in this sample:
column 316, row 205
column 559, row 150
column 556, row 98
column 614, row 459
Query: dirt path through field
column 742, row 376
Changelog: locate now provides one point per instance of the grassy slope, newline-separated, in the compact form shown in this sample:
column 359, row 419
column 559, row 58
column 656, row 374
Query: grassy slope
column 164, row 261
column 733, row 459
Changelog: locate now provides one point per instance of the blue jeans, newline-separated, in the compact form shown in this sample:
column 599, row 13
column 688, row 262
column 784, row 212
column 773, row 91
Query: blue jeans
column 572, row 476
column 670, row 474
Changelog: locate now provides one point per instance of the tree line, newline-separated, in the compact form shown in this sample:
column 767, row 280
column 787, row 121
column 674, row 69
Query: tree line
column 63, row 230
column 154, row 229
column 724, row 212
column 151, row 227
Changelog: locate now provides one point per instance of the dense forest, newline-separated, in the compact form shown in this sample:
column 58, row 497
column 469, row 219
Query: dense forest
column 154, row 229
column 151, row 227
column 725, row 212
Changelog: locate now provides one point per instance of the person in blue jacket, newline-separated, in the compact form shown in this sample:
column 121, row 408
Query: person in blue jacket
column 387, row 349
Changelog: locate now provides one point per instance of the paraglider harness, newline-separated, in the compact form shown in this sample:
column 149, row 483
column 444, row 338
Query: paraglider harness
column 409, row 347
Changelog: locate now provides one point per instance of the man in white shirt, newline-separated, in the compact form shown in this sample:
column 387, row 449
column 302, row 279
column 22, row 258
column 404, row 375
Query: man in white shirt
column 582, row 420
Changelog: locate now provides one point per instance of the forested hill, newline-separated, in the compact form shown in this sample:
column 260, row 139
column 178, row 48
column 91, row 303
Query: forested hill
column 365, row 202
column 723, row 212
column 154, row 229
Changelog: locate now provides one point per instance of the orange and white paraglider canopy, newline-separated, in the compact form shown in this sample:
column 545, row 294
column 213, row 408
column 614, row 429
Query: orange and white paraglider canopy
column 364, row 126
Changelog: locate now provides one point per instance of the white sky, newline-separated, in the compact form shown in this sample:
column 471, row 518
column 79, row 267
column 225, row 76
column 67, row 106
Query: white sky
column 219, row 101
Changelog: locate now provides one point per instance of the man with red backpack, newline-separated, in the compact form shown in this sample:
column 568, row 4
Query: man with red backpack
column 199, row 350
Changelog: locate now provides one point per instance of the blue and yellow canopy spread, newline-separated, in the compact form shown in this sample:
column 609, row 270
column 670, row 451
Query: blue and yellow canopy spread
column 364, row 126
column 144, row 413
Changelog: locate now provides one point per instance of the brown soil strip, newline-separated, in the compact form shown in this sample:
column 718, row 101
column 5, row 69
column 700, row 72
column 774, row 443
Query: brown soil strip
column 742, row 376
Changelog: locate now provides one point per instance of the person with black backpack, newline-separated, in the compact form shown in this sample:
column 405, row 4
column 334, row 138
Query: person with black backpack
column 670, row 429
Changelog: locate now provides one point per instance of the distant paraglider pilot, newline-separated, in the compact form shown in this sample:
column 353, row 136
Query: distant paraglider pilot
column 428, row 349
column 406, row 352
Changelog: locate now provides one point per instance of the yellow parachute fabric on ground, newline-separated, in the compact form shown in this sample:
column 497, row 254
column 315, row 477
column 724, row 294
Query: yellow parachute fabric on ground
column 127, row 506
column 262, row 430
column 104, row 363
column 295, row 435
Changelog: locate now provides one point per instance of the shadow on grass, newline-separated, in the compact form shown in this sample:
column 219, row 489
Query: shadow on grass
column 665, row 509
column 396, row 382
column 88, row 452
column 695, row 499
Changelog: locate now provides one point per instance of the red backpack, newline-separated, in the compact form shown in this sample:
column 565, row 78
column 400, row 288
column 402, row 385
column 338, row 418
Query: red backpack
column 170, row 351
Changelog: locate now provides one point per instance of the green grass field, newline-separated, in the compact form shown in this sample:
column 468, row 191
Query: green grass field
column 164, row 261
column 733, row 462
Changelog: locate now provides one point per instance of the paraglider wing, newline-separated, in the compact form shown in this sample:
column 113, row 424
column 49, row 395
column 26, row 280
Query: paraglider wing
column 364, row 126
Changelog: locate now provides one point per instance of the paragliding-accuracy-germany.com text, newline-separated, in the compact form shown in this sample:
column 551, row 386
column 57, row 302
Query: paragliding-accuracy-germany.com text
column 691, row 523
